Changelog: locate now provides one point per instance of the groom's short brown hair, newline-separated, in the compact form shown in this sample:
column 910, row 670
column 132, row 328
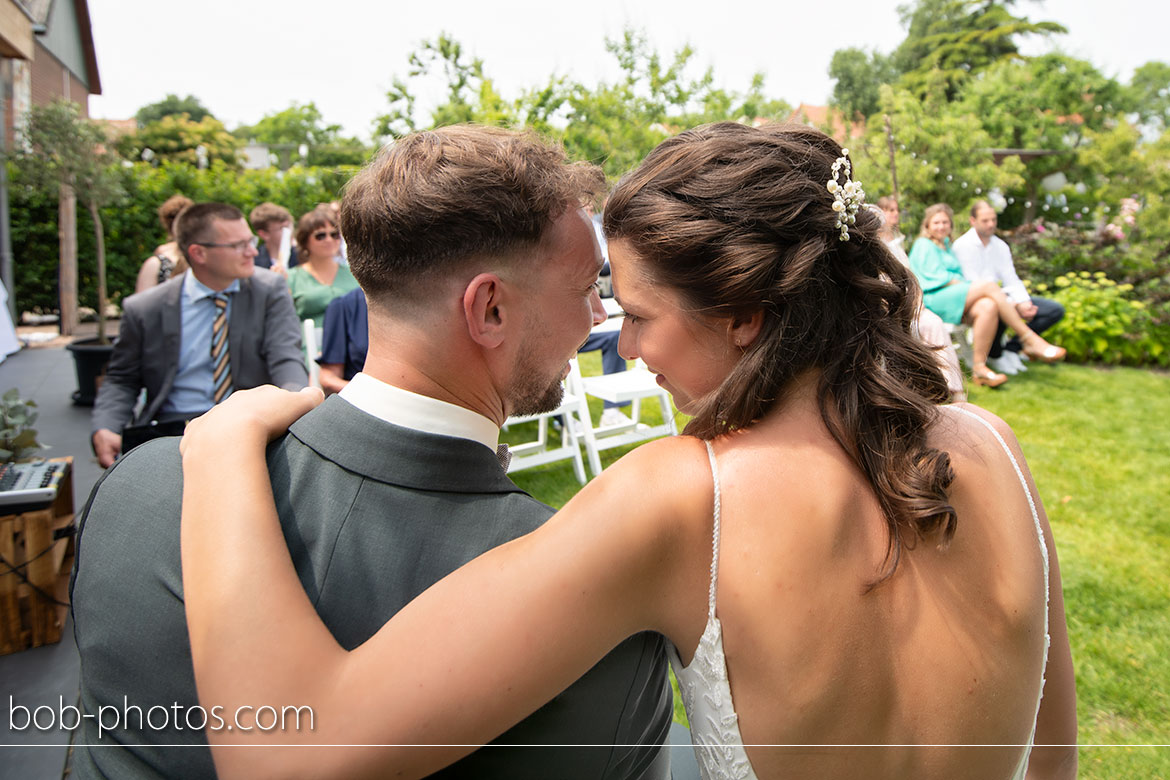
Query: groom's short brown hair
column 433, row 201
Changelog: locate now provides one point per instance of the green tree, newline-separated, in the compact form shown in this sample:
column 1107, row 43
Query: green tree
column 67, row 154
column 858, row 77
column 940, row 153
column 949, row 41
column 1149, row 94
column 617, row 124
column 177, row 138
column 613, row 124
column 471, row 95
column 1046, row 104
column 172, row 105
column 299, row 124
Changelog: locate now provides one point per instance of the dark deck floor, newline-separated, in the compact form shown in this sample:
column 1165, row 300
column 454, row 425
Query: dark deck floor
column 45, row 675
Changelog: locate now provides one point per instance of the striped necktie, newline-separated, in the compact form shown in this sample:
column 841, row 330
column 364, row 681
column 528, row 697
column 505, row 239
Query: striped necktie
column 221, row 373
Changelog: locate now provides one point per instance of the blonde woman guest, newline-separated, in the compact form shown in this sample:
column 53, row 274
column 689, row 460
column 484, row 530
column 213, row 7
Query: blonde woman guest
column 930, row 326
column 167, row 260
column 820, row 546
column 980, row 304
column 319, row 278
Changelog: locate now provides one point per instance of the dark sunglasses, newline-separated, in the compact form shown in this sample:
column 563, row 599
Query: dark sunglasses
column 334, row 234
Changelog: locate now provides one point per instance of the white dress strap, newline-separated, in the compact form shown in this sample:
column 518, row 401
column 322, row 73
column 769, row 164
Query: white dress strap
column 1022, row 766
column 1027, row 492
column 714, row 534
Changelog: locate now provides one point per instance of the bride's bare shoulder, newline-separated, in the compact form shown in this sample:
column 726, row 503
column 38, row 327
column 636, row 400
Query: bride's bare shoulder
column 664, row 482
column 966, row 430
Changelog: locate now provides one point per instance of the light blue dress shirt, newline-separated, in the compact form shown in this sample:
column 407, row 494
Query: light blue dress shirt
column 193, row 390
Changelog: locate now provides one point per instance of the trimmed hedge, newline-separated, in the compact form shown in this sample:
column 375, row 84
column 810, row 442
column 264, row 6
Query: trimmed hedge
column 132, row 227
column 1123, row 321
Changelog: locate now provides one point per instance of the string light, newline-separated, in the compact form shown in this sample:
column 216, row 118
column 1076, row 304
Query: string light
column 1010, row 200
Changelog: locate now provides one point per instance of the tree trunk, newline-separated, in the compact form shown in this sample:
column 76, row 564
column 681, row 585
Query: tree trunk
column 67, row 242
column 1030, row 205
column 893, row 164
column 99, row 236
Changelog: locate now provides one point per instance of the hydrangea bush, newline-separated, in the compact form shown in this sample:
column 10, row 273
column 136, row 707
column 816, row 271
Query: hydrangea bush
column 1104, row 323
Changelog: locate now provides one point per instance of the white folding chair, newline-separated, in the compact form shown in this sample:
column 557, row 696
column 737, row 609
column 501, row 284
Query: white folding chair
column 633, row 385
column 573, row 414
column 312, row 352
column 964, row 341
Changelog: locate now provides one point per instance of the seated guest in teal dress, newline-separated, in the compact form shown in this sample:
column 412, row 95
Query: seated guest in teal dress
column 944, row 290
column 318, row 279
column 979, row 304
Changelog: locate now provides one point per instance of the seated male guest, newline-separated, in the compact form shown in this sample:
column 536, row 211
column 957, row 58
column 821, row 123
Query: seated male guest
column 224, row 324
column 984, row 255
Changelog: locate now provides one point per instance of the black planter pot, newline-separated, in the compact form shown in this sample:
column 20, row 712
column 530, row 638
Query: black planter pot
column 89, row 358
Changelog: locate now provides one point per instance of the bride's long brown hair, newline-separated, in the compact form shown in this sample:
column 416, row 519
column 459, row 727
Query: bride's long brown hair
column 738, row 219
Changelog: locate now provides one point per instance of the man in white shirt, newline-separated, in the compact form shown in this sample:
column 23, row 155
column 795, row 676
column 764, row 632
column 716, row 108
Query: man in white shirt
column 984, row 255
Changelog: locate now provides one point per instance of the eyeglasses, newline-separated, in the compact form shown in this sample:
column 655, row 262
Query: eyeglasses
column 321, row 236
column 239, row 246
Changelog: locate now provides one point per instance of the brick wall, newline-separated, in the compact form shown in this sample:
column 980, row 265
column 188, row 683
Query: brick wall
column 51, row 80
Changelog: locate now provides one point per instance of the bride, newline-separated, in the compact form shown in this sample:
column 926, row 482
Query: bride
column 857, row 582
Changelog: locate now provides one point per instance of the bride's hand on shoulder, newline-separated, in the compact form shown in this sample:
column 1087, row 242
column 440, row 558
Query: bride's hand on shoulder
column 257, row 415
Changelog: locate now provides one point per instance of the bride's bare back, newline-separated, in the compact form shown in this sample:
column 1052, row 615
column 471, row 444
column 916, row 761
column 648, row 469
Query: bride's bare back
column 816, row 657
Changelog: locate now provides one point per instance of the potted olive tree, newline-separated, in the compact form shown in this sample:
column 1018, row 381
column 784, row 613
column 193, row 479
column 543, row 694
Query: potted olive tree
column 68, row 155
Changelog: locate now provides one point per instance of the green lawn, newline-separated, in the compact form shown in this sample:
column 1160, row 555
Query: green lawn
column 1098, row 443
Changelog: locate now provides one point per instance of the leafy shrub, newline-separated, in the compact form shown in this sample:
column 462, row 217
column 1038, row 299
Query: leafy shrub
column 1042, row 251
column 18, row 439
column 1103, row 323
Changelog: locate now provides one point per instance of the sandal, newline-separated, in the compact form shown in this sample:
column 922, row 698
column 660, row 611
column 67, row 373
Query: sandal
column 985, row 377
column 1049, row 353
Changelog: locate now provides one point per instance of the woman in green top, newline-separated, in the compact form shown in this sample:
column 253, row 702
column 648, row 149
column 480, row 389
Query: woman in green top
column 979, row 304
column 319, row 278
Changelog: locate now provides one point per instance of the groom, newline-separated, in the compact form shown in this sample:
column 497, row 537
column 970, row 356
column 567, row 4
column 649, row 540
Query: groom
column 479, row 269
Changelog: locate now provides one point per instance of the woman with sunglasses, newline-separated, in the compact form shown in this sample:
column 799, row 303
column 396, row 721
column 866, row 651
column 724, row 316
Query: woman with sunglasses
column 319, row 278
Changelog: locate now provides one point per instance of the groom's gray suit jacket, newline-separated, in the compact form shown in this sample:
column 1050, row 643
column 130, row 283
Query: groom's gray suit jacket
column 373, row 514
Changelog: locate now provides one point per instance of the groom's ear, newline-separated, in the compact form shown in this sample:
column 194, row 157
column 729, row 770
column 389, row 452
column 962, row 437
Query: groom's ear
column 488, row 309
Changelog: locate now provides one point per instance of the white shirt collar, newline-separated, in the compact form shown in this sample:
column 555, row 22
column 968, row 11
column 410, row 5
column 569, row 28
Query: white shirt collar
column 195, row 290
column 419, row 412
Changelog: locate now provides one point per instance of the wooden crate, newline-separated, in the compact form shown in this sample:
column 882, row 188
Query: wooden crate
column 36, row 556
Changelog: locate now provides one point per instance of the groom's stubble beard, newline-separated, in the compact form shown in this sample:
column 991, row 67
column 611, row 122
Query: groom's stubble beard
column 536, row 389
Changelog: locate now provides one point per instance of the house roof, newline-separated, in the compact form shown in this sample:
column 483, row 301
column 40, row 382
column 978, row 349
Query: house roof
column 37, row 9
column 116, row 128
column 40, row 11
column 821, row 117
column 91, row 66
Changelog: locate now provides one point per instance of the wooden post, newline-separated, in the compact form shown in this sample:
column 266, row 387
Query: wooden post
column 893, row 165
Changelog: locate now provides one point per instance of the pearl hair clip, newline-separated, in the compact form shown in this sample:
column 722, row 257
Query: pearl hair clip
column 848, row 197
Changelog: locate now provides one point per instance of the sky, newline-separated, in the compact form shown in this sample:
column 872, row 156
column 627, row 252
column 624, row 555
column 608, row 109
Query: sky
column 246, row 58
